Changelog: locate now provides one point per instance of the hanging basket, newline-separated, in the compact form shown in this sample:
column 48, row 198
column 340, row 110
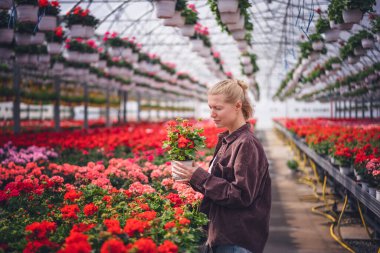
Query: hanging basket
column 22, row 58
column 5, row 53
column 102, row 64
column 90, row 31
column 58, row 66
column 6, row 35
column 345, row 26
column 245, row 60
column 6, row 4
column 230, row 17
column 116, row 51
column 44, row 58
column 23, row 39
column 188, row 30
column 38, row 38
column 47, row 23
column 317, row 45
column 176, row 21
column 72, row 56
column 238, row 34
column 331, row 35
column 378, row 37
column 127, row 53
column 27, row 13
column 242, row 45
column 333, row 25
column 367, row 43
column 165, row 8
column 33, row 59
column 197, row 45
column 352, row 16
column 237, row 26
column 227, row 5
column 77, row 31
column 248, row 69
column 336, row 66
column 359, row 51
column 54, row 48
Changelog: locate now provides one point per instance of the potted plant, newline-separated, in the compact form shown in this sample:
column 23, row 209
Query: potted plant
column 165, row 8
column 316, row 41
column 55, row 40
column 82, row 51
column 50, row 11
column 292, row 165
column 375, row 21
column 22, row 54
column 191, row 18
column 6, row 4
column 367, row 39
column 323, row 27
column 344, row 156
column 183, row 141
column 6, row 51
column 373, row 173
column 177, row 20
column 24, row 32
column 27, row 11
column 354, row 9
column 228, row 5
column 81, row 23
column 6, row 28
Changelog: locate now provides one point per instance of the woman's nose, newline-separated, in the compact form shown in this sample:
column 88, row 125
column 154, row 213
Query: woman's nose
column 213, row 114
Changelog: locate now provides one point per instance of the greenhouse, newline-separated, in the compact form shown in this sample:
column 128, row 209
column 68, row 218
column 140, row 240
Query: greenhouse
column 165, row 126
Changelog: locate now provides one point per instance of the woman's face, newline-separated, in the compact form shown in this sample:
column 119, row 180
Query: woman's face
column 224, row 114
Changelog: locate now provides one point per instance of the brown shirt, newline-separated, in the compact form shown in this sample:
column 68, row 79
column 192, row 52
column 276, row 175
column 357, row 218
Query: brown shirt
column 237, row 193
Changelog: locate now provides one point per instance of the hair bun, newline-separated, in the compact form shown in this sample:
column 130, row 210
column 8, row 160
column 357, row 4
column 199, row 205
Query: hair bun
column 242, row 84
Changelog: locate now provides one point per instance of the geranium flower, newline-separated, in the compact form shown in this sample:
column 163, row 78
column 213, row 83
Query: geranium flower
column 90, row 209
column 133, row 225
column 168, row 247
column 145, row 245
column 43, row 3
column 113, row 246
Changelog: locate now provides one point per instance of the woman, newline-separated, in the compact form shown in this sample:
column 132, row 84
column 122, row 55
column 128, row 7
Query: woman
column 237, row 186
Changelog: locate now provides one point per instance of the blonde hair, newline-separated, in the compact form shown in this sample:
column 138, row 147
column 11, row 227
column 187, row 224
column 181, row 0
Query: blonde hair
column 234, row 90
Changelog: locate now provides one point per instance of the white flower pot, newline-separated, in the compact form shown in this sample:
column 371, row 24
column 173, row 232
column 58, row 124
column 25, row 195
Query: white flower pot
column 127, row 53
column 248, row 69
column 186, row 163
column 197, row 45
column 238, row 34
column 352, row 16
column 377, row 194
column 336, row 66
column 22, row 58
column 54, row 48
column 364, row 186
column 165, row 8
column 245, row 60
column 333, row 25
column 33, row 59
column 188, row 30
column 228, row 5
column 27, row 13
column 6, row 4
column 313, row 56
column 230, row 17
column 116, row 51
column 242, row 45
column 90, row 31
column 77, row 31
column 237, row 26
column 367, row 43
column 177, row 20
column 331, row 35
column 317, row 45
column 345, row 170
column 47, row 23
column 205, row 52
column 353, row 59
column 6, row 35
column 102, row 64
column 38, row 38
column 72, row 56
column 372, row 191
column 345, row 26
column 5, row 53
column 44, row 58
column 58, row 66
column 23, row 39
column 359, row 51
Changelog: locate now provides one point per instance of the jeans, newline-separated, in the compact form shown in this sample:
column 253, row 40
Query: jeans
column 229, row 249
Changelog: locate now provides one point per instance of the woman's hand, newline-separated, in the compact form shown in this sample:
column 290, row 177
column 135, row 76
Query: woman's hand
column 182, row 171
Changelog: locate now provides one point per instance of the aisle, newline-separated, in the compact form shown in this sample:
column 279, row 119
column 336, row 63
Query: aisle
column 293, row 228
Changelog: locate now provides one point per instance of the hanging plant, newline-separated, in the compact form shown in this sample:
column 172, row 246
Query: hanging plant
column 363, row 5
column 375, row 22
column 78, row 16
column 57, row 36
column 331, row 61
column 26, row 2
column 322, row 25
column 5, row 21
column 25, row 27
column 305, row 48
column 335, row 11
column 190, row 14
column 49, row 8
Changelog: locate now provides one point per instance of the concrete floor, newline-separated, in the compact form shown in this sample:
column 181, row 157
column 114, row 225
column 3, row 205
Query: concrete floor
column 293, row 227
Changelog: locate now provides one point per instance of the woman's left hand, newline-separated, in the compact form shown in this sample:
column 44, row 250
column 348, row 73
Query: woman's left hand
column 182, row 171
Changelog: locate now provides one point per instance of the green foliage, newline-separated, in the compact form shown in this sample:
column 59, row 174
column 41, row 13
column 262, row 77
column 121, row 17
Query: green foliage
column 190, row 16
column 25, row 27
column 26, row 2
column 4, row 19
column 363, row 5
column 376, row 24
column 322, row 25
column 335, row 11
column 292, row 164
column 305, row 48
column 315, row 37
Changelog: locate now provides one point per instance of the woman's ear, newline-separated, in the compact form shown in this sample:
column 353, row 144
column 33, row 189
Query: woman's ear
column 238, row 105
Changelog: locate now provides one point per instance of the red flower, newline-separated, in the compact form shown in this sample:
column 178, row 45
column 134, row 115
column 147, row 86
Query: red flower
column 85, row 13
column 182, row 142
column 76, row 243
column 54, row 3
column 113, row 226
column 148, row 215
column 81, row 227
column 43, row 3
column 77, row 10
column 133, row 225
column 72, row 195
column 90, row 209
column 184, row 221
column 58, row 31
column 70, row 211
column 113, row 246
column 168, row 247
column 175, row 199
column 40, row 230
column 145, row 245
column 169, row 225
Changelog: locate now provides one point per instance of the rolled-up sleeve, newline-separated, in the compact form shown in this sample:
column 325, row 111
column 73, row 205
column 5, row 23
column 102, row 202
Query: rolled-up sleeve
column 244, row 189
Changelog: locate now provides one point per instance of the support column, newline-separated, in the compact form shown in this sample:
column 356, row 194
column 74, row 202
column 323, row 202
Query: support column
column 158, row 108
column 149, row 100
column 349, row 109
column 85, row 123
column 125, row 101
column 363, row 109
column 108, row 120
column 371, row 107
column 57, row 90
column 16, row 100
column 138, row 107
column 356, row 108
column 344, row 109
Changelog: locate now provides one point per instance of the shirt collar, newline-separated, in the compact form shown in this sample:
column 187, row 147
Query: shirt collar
column 228, row 138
